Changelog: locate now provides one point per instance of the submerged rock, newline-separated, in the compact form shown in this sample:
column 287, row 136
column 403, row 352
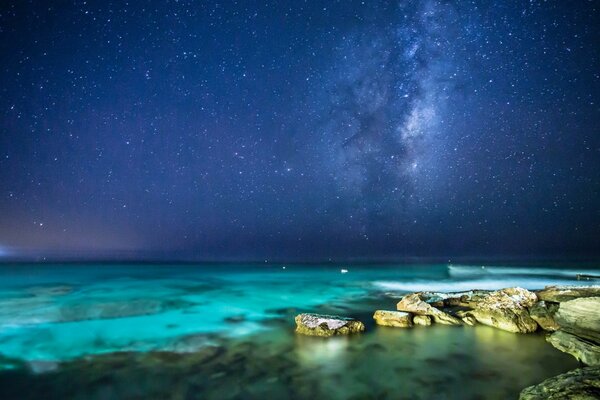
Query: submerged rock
column 398, row 319
column 54, row 290
column 326, row 325
column 579, row 384
column 507, row 309
column 415, row 304
column 543, row 314
column 583, row 350
column 558, row 294
column 423, row 320
column 580, row 317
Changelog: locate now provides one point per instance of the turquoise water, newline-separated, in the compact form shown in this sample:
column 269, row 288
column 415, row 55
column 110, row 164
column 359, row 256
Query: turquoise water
column 53, row 315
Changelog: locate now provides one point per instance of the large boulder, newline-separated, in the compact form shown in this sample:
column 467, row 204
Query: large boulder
column 543, row 313
column 398, row 319
column 583, row 350
column 507, row 309
column 579, row 384
column 559, row 294
column 580, row 317
column 326, row 325
column 415, row 303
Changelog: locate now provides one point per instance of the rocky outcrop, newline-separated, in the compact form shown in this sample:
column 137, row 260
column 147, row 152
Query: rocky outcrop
column 543, row 313
column 558, row 294
column 580, row 317
column 398, row 319
column 507, row 309
column 579, row 384
column 415, row 303
column 583, row 350
column 423, row 320
column 579, row 334
column 454, row 299
column 326, row 325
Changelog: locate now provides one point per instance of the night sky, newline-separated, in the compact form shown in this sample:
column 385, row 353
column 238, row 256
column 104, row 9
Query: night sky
column 299, row 130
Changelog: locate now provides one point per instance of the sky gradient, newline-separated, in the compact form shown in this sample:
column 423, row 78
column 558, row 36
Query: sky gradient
column 299, row 130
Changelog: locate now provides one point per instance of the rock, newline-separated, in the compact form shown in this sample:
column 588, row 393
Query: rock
column 423, row 320
column 559, row 294
column 415, row 304
column 452, row 299
column 580, row 317
column 543, row 314
column 583, row 350
column 397, row 319
column 579, row 384
column 326, row 325
column 507, row 309
column 467, row 318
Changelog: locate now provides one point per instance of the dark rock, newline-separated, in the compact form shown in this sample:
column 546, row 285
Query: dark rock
column 543, row 314
column 579, row 384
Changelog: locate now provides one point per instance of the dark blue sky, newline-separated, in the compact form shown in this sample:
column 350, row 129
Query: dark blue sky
column 299, row 130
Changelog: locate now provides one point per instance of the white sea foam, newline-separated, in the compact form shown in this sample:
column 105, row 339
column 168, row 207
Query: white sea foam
column 457, row 286
column 464, row 271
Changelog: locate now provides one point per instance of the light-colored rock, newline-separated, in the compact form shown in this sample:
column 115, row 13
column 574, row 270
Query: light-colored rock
column 559, row 294
column 398, row 319
column 579, row 384
column 413, row 303
column 543, row 314
column 423, row 320
column 463, row 299
column 466, row 317
column 507, row 309
column 583, row 350
column 469, row 320
column 580, row 317
column 326, row 325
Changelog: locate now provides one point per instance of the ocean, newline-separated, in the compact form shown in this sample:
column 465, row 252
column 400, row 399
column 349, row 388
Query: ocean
column 219, row 331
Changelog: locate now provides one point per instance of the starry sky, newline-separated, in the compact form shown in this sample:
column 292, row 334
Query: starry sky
column 299, row 130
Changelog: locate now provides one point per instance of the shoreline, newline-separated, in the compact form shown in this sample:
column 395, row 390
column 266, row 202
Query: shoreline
column 484, row 355
column 568, row 315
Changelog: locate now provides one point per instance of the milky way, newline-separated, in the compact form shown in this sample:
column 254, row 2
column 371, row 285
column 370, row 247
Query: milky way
column 292, row 130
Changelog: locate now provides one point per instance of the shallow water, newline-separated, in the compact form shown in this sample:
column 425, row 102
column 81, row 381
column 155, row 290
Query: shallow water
column 231, row 327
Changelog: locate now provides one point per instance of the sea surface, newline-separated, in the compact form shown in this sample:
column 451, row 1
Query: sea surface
column 104, row 331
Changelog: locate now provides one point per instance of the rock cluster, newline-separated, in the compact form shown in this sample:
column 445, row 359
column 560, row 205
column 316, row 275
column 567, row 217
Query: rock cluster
column 571, row 316
column 578, row 326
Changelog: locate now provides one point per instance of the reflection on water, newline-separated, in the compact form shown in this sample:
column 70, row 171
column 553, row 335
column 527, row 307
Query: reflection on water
column 214, row 333
column 421, row 363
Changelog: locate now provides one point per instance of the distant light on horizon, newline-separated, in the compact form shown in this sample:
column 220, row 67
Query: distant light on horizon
column 4, row 251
